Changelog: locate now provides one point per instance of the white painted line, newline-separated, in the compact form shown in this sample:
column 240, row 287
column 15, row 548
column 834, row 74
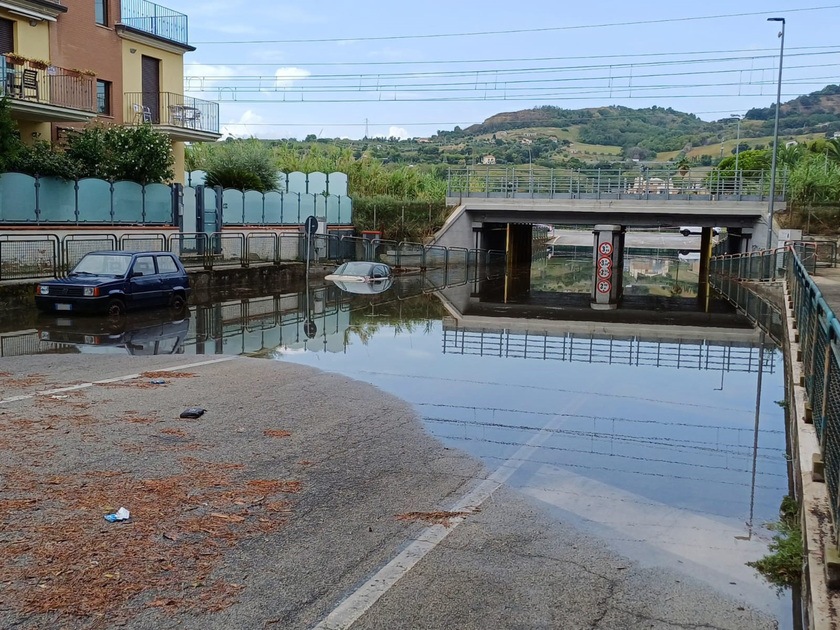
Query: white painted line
column 358, row 602
column 105, row 381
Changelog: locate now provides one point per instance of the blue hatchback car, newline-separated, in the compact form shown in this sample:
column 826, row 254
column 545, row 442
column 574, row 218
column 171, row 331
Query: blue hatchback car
column 114, row 282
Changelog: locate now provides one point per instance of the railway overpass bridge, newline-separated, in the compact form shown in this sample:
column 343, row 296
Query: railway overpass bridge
column 496, row 209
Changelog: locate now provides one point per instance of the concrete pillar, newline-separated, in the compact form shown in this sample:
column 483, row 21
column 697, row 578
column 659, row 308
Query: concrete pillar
column 608, row 277
column 705, row 257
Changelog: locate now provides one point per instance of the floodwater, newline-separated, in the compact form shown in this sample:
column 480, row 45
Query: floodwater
column 637, row 425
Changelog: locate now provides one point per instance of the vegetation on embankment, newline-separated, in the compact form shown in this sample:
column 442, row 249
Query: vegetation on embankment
column 782, row 566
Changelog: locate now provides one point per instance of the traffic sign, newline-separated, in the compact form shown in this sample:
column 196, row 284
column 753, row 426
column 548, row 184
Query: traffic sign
column 604, row 286
column 311, row 225
column 605, row 273
column 605, row 248
column 604, row 262
column 310, row 329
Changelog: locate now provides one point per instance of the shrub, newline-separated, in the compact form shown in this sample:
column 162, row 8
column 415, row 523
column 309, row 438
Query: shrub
column 241, row 164
column 137, row 154
column 782, row 566
column 9, row 141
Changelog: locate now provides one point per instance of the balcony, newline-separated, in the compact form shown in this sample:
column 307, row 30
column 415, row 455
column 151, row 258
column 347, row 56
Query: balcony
column 49, row 94
column 153, row 19
column 183, row 118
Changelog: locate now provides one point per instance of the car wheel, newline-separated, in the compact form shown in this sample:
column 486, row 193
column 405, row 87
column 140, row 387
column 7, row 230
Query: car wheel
column 178, row 302
column 116, row 307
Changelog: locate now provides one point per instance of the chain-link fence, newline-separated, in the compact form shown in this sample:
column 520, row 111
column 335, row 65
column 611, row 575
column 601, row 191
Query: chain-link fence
column 819, row 335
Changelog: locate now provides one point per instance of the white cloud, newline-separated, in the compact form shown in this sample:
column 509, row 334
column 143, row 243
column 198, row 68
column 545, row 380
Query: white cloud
column 398, row 132
column 201, row 77
column 240, row 129
column 286, row 77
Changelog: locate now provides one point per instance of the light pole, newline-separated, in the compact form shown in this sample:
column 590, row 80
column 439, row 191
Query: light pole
column 775, row 133
column 737, row 141
column 530, row 172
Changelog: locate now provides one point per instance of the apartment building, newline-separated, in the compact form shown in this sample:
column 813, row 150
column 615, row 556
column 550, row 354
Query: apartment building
column 114, row 61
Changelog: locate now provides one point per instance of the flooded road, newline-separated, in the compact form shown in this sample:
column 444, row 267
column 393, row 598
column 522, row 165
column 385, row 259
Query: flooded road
column 638, row 427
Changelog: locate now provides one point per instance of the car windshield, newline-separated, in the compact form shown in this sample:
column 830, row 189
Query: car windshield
column 102, row 265
column 354, row 269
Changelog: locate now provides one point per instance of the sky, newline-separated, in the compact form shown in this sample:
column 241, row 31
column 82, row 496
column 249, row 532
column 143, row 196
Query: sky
column 408, row 69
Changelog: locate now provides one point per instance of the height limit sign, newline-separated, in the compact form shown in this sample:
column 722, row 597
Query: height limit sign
column 605, row 248
column 604, row 286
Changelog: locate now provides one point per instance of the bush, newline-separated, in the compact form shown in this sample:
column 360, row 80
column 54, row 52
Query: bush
column 782, row 567
column 137, row 154
column 45, row 160
column 422, row 218
column 240, row 164
column 10, row 144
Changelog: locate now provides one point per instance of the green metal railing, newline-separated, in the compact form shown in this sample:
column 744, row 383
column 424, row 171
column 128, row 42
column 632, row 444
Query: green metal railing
column 819, row 337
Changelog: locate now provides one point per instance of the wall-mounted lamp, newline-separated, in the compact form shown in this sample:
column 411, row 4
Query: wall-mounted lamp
column 36, row 134
column 132, row 50
column 33, row 22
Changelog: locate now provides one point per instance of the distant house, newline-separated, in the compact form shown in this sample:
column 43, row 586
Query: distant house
column 526, row 141
column 836, row 135
column 792, row 143
column 488, row 159
column 424, row 140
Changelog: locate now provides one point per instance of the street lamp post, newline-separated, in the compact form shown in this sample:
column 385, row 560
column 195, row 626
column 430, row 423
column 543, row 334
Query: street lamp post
column 775, row 133
column 530, row 172
column 737, row 148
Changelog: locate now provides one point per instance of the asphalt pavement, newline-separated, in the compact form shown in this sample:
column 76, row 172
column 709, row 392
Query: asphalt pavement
column 300, row 499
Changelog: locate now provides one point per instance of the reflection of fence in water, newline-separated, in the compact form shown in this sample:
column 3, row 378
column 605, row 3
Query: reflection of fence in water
column 574, row 347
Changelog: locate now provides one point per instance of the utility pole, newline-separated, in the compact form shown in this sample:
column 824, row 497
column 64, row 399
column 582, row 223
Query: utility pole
column 737, row 149
column 366, row 128
column 775, row 134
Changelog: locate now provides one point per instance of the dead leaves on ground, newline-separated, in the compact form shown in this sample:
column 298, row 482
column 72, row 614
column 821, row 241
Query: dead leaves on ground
column 64, row 557
column 438, row 517
column 276, row 433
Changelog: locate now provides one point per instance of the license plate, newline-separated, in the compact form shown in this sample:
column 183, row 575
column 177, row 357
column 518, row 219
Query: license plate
column 64, row 307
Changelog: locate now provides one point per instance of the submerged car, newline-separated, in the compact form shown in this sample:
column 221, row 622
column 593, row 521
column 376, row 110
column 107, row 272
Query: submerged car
column 114, row 282
column 361, row 272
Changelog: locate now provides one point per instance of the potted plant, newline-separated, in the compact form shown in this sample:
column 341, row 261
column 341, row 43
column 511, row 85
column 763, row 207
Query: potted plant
column 683, row 166
column 16, row 59
column 38, row 64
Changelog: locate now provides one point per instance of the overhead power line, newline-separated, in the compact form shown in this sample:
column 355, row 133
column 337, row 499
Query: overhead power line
column 549, row 29
column 304, row 64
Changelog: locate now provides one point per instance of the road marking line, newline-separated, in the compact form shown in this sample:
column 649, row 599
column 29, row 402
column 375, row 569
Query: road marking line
column 358, row 602
column 105, row 381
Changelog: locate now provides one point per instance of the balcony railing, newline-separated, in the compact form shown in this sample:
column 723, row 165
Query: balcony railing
column 176, row 110
column 154, row 19
column 49, row 86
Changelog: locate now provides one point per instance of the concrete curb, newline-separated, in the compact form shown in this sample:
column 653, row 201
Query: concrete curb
column 820, row 605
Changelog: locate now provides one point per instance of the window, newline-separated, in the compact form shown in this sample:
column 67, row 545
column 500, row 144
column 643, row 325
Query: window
column 144, row 265
column 166, row 264
column 7, row 36
column 103, row 97
column 101, row 12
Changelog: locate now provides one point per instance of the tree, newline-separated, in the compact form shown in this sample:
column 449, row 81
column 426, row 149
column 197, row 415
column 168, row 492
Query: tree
column 10, row 144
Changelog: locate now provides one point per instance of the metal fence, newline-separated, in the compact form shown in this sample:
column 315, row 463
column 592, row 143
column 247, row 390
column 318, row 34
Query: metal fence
column 49, row 257
column 819, row 340
column 639, row 183
column 592, row 348
column 29, row 258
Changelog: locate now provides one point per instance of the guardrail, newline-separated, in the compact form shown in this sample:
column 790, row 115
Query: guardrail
column 638, row 183
column 51, row 257
column 819, row 341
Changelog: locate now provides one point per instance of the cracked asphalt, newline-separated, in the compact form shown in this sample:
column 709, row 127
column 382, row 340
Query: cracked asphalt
column 362, row 457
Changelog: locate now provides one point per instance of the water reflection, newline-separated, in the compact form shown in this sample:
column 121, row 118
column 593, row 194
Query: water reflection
column 637, row 425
